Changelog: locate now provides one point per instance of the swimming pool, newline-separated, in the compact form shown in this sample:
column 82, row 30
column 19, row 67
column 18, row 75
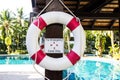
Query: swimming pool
column 86, row 69
column 15, row 60
column 91, row 69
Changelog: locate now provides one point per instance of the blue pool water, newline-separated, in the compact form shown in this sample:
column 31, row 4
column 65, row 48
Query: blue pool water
column 93, row 70
column 83, row 70
column 15, row 60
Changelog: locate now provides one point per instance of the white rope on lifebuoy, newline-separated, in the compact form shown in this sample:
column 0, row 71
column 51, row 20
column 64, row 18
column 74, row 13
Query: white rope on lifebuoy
column 55, row 63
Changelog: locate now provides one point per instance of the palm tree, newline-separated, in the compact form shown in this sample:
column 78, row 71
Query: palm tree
column 20, row 27
column 100, row 40
column 6, row 28
column 114, row 48
column 13, row 27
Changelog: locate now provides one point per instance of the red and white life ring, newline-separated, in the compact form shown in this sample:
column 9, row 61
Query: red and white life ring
column 55, row 63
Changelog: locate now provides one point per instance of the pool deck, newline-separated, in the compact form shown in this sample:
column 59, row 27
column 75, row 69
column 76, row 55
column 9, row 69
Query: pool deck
column 20, row 72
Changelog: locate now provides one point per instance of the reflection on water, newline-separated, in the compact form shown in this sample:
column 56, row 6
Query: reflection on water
column 93, row 70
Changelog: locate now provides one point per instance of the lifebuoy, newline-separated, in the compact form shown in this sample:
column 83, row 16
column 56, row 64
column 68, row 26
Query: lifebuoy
column 55, row 63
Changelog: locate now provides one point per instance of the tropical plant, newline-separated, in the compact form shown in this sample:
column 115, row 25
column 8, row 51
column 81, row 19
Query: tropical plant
column 13, row 29
column 20, row 27
column 8, row 43
column 90, row 42
column 114, row 50
column 66, row 35
column 100, row 40
column 6, row 27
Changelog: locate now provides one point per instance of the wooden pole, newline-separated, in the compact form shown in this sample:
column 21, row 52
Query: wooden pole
column 54, row 31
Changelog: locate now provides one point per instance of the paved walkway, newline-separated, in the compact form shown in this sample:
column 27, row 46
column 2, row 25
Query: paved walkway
column 20, row 72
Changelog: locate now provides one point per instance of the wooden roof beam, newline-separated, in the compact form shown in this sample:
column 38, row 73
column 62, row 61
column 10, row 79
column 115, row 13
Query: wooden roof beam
column 111, row 24
column 88, row 27
column 83, row 15
column 100, row 6
column 92, row 5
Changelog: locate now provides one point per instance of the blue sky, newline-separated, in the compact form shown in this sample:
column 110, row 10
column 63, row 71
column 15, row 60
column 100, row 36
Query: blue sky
column 14, row 4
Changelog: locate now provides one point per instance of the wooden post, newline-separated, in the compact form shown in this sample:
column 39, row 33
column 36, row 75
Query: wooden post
column 54, row 31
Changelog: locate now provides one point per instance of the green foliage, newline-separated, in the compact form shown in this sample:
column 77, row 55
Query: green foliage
column 13, row 29
column 90, row 41
column 8, row 41
column 100, row 42
column 66, row 36
column 114, row 49
column 20, row 52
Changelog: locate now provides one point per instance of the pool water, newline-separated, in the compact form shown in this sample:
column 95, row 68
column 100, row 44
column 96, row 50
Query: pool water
column 15, row 60
column 83, row 70
column 93, row 70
